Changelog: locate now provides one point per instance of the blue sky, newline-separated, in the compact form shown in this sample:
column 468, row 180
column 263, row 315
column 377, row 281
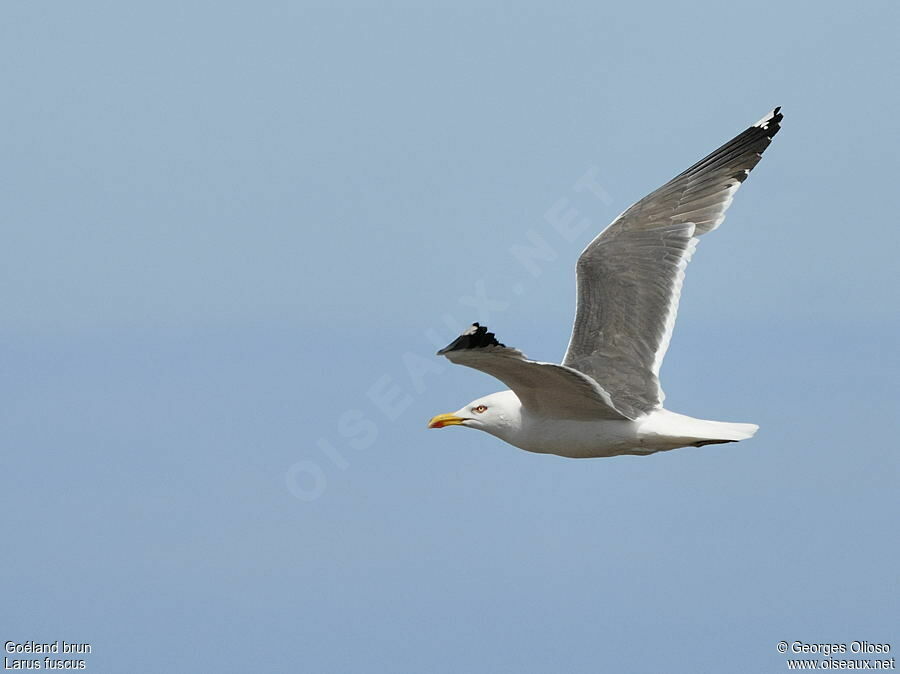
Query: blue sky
column 234, row 235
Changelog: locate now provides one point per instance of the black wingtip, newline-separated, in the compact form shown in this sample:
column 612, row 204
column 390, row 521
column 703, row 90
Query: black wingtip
column 771, row 123
column 476, row 337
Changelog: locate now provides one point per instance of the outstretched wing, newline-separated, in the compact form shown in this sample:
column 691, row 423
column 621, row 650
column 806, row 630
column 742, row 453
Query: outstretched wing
column 630, row 276
column 545, row 389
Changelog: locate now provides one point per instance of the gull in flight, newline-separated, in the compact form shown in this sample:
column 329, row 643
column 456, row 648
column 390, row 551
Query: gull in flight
column 605, row 398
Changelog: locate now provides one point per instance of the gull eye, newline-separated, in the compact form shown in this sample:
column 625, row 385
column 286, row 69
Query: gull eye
column 480, row 409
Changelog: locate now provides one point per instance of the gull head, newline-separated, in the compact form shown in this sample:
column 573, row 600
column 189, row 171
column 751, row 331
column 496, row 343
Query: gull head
column 498, row 414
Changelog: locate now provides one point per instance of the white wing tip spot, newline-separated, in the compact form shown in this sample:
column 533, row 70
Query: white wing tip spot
column 764, row 122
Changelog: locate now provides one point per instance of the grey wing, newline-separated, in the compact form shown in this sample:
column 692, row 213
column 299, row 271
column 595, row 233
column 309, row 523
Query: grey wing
column 630, row 276
column 545, row 389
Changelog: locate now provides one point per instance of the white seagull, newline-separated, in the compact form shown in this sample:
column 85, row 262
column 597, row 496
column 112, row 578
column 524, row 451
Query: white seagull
column 605, row 398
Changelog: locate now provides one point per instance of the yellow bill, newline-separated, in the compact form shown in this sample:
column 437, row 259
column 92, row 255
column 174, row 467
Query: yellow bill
column 442, row 420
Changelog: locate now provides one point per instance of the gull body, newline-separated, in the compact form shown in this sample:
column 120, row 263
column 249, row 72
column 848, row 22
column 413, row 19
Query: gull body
column 658, row 431
column 605, row 398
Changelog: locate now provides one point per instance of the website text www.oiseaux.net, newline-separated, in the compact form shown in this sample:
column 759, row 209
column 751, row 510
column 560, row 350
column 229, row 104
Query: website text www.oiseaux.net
column 856, row 655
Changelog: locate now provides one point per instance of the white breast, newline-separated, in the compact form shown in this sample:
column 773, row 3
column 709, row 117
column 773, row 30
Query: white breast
column 576, row 439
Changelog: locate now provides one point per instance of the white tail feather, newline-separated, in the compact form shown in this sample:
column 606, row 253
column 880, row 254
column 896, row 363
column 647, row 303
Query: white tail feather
column 666, row 430
column 724, row 430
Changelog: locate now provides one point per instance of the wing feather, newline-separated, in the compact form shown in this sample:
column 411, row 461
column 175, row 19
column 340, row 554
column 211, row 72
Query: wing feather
column 630, row 276
column 545, row 389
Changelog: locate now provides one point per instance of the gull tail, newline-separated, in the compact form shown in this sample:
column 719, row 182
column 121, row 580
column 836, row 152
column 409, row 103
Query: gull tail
column 664, row 430
column 719, row 432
